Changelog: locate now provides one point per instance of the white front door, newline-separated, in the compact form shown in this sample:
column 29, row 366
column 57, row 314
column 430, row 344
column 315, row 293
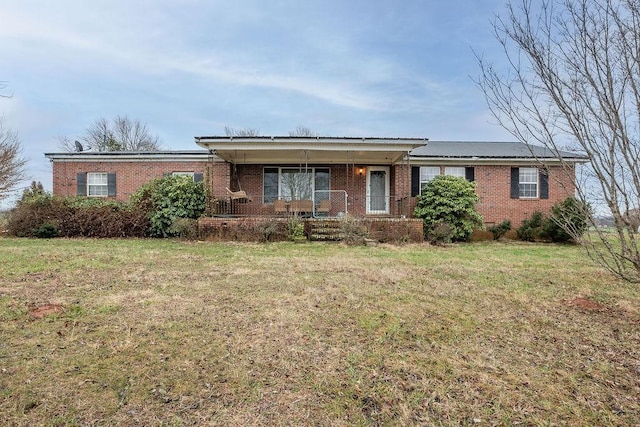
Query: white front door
column 378, row 190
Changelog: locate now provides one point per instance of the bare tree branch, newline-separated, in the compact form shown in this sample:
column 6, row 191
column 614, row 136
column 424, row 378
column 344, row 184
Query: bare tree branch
column 573, row 79
column 12, row 164
column 303, row 131
column 120, row 134
column 231, row 131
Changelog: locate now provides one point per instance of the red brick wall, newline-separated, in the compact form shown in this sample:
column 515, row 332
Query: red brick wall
column 496, row 204
column 493, row 186
column 342, row 177
column 129, row 175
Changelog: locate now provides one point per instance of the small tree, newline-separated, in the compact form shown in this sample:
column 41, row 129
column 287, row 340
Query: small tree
column 120, row 134
column 568, row 221
column 570, row 80
column 449, row 200
column 12, row 163
column 168, row 199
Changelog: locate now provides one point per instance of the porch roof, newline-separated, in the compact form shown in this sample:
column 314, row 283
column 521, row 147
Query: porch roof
column 319, row 150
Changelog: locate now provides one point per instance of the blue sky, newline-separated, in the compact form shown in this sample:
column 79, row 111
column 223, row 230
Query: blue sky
column 189, row 68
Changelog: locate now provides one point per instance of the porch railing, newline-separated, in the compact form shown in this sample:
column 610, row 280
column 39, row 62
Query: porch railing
column 324, row 203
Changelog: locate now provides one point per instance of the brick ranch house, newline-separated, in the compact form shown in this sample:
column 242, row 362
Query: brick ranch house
column 326, row 177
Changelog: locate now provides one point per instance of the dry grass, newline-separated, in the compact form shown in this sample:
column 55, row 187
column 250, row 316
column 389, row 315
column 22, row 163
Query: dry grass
column 156, row 332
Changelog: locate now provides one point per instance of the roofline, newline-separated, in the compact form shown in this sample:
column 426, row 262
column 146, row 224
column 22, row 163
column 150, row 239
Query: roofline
column 309, row 138
column 125, row 156
column 428, row 161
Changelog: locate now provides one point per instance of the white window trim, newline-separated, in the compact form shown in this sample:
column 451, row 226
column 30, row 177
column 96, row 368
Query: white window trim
column 311, row 170
column 424, row 182
column 104, row 176
column 179, row 173
column 449, row 169
column 535, row 182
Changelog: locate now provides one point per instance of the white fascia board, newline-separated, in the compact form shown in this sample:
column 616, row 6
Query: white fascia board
column 158, row 157
column 309, row 144
column 434, row 161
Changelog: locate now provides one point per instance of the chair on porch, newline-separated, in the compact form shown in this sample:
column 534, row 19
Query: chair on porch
column 323, row 208
column 280, row 207
column 238, row 195
column 301, row 207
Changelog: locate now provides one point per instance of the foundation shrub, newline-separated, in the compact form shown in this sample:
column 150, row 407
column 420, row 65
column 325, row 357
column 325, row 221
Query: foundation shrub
column 46, row 230
column 449, row 204
column 499, row 230
column 32, row 212
column 168, row 199
column 35, row 215
column 567, row 222
column 295, row 229
column 531, row 229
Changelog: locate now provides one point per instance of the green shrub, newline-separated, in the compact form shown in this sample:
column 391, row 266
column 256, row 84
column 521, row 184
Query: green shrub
column 46, row 230
column 35, row 189
column 449, row 200
column 568, row 221
column 31, row 212
column 295, row 228
column 501, row 229
column 167, row 199
column 531, row 229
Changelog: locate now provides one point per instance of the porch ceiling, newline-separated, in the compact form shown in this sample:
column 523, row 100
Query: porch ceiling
column 316, row 150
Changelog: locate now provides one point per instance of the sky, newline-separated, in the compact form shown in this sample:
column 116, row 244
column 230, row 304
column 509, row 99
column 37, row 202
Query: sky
column 189, row 68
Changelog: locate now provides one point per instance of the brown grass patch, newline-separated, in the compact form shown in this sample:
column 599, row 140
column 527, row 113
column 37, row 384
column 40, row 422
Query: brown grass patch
column 157, row 332
column 45, row 310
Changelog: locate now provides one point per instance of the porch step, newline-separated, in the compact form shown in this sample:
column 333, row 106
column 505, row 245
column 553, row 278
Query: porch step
column 325, row 230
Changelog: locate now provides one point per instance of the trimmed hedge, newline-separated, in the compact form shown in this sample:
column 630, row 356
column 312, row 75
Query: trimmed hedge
column 44, row 215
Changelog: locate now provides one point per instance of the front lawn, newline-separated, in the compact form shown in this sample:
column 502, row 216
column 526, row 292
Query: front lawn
column 160, row 332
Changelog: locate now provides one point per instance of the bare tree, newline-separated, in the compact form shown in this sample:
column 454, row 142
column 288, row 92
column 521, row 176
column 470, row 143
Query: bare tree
column 120, row 134
column 12, row 164
column 303, row 131
column 573, row 81
column 231, row 131
column 3, row 85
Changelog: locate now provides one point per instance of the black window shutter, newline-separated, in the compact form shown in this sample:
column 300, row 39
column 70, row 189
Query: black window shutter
column 415, row 181
column 82, row 184
column 111, row 184
column 544, row 184
column 515, row 183
column 469, row 173
column 198, row 177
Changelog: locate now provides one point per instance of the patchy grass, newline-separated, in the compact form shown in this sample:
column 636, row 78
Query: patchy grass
column 157, row 332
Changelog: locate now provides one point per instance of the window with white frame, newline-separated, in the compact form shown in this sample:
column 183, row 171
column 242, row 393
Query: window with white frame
column 528, row 183
column 189, row 174
column 427, row 173
column 294, row 183
column 97, row 184
column 458, row 171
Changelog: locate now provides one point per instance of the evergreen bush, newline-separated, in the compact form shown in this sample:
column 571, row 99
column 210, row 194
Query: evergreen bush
column 167, row 199
column 449, row 200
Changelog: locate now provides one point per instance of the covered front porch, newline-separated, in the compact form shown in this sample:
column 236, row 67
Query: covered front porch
column 312, row 177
